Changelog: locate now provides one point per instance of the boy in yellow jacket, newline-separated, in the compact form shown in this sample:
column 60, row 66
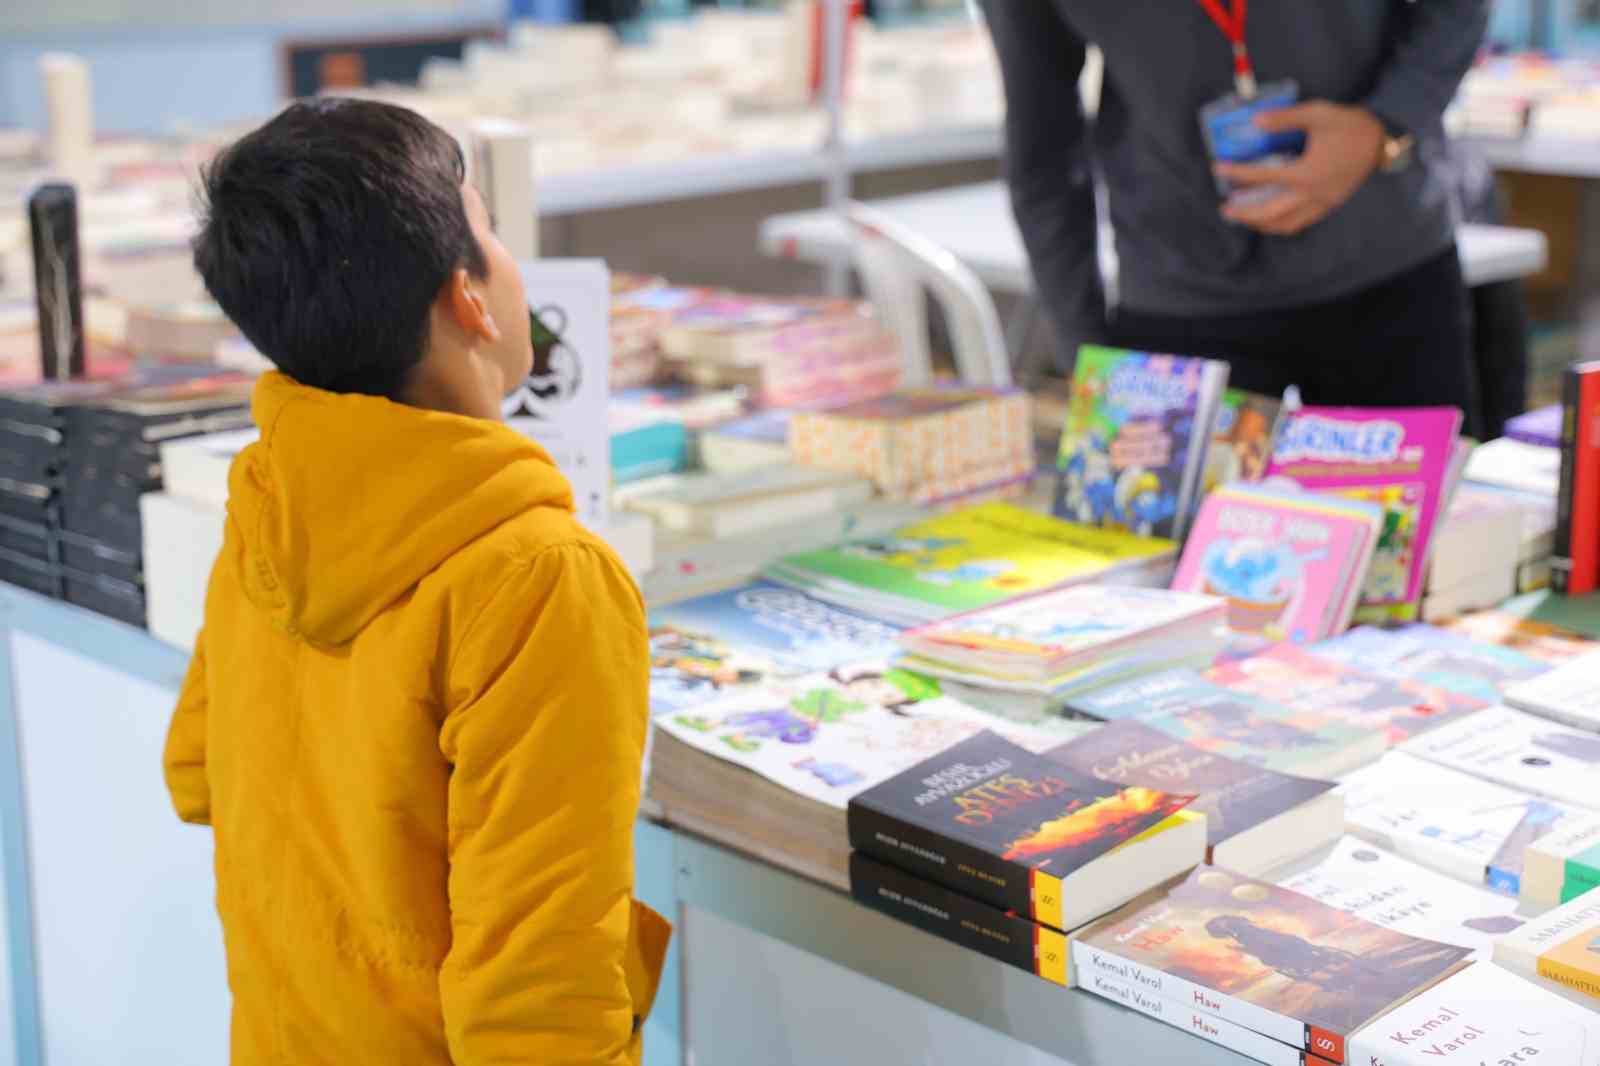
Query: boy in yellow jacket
column 416, row 713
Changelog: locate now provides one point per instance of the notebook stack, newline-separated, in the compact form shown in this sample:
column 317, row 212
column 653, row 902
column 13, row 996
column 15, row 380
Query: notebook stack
column 786, row 353
column 999, row 849
column 971, row 558
column 922, row 445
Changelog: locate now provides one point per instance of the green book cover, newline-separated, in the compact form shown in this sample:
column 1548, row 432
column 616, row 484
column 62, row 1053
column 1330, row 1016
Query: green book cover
column 975, row 557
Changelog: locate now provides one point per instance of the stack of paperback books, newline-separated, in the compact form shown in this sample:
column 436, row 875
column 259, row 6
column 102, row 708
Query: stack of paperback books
column 922, row 445
column 1569, row 694
column 971, row 558
column 1529, row 475
column 1268, row 972
column 991, row 846
column 728, row 505
column 1556, row 951
column 1067, row 640
column 1562, row 865
column 1479, row 552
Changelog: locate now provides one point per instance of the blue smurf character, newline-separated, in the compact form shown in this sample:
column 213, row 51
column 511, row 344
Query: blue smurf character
column 1143, row 503
column 780, row 724
column 974, row 570
column 890, row 547
column 1088, row 489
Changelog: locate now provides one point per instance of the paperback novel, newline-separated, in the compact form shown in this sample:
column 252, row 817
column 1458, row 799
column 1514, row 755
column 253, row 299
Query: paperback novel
column 1560, row 950
column 1569, row 694
column 1562, row 865
column 1520, row 751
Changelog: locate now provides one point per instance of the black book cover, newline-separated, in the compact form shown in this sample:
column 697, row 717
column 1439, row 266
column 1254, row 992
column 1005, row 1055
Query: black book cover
column 933, row 908
column 57, row 280
column 1000, row 824
column 27, row 501
column 1561, row 561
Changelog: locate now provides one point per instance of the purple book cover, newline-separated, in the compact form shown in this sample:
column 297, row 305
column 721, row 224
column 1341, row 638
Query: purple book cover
column 1541, row 427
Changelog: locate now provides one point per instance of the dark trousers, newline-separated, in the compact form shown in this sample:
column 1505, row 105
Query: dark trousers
column 1406, row 342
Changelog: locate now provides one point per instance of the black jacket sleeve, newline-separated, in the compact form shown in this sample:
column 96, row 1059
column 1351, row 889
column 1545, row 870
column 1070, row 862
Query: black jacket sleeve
column 1435, row 43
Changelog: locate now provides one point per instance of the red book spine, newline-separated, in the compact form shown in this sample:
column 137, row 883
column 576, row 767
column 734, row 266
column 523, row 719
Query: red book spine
column 1577, row 571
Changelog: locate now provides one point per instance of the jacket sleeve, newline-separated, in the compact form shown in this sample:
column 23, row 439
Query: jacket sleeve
column 545, row 734
column 1048, row 164
column 184, row 760
column 1434, row 44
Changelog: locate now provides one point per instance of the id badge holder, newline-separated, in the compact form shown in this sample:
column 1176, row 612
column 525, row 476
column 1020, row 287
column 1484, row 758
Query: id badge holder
column 1232, row 136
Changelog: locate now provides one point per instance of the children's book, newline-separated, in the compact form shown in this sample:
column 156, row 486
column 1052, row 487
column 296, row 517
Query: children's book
column 1519, row 751
column 1286, row 563
column 1433, row 656
column 1134, row 445
column 968, row 559
column 1394, row 708
column 1464, row 827
column 1399, row 458
column 1363, row 879
column 1241, row 444
column 1247, row 728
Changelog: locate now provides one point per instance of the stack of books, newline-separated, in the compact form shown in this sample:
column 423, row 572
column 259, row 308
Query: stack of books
column 1478, row 553
column 1137, row 436
column 971, row 558
column 1291, row 565
column 1562, row 865
column 1569, row 694
column 1068, row 640
column 1425, row 655
column 786, row 353
column 729, row 505
column 1556, row 952
column 922, row 445
column 994, row 847
column 761, row 439
column 1271, row 973
column 1530, row 476
column 641, row 307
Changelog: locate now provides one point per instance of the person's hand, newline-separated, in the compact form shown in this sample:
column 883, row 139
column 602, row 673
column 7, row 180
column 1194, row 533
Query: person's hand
column 1344, row 146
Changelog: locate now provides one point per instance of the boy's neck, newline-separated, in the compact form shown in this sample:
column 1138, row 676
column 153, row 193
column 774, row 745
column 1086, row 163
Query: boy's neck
column 455, row 382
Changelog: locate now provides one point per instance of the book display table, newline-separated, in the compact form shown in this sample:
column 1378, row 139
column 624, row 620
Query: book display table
column 108, row 912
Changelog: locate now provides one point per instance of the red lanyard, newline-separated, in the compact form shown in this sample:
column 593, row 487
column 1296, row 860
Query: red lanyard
column 1232, row 26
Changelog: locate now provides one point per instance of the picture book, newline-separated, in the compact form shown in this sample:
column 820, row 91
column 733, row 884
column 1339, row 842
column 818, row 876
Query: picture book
column 1286, row 569
column 1562, row 865
column 1560, row 950
column 1269, row 959
column 829, row 737
column 1519, row 751
column 1362, row 879
column 1134, row 445
column 1432, row 656
column 1464, row 827
column 967, row 559
column 1255, row 818
column 1463, row 1021
column 1398, row 458
column 1569, row 693
column 1395, row 708
column 1241, row 443
column 1008, row 827
column 1544, row 641
column 1241, row 726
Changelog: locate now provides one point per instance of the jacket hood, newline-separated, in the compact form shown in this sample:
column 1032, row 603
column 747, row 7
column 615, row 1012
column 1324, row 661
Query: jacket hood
column 346, row 502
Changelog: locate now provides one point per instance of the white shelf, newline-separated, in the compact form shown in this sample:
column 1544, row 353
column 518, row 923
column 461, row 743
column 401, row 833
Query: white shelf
column 1540, row 155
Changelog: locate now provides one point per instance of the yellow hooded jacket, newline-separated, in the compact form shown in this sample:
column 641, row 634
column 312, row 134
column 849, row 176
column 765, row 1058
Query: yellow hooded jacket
column 414, row 721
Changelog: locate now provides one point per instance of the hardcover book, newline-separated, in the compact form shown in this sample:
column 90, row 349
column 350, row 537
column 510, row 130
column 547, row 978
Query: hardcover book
column 1286, row 566
column 1562, row 865
column 1268, row 959
column 1255, row 819
column 1569, row 694
column 1464, row 1021
column 1398, row 458
column 1238, row 725
column 1560, row 950
column 1134, row 445
column 1519, row 751
column 1575, row 569
column 1472, row 830
column 1002, row 825
column 1432, row 656
column 1395, row 708
column 1364, row 880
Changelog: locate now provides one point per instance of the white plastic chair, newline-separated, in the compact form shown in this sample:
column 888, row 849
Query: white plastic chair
column 898, row 267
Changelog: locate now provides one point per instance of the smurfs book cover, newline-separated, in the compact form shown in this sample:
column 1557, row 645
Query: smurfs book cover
column 1137, row 432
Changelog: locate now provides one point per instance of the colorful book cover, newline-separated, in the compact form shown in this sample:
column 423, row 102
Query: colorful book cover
column 1464, row 1020
column 1560, row 949
column 1241, row 444
column 1473, row 830
column 746, row 634
column 1284, row 568
column 1519, row 751
column 1238, row 725
column 829, row 737
column 1549, row 643
column 1362, row 879
column 1434, row 657
column 1000, row 823
column 1398, row 707
column 1270, row 959
column 1234, row 796
column 973, row 557
column 1137, row 430
column 1398, row 458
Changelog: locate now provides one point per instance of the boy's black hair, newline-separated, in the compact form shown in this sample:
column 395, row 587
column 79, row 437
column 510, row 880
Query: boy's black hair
column 327, row 234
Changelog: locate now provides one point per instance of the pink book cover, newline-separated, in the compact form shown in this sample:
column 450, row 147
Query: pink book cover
column 1396, row 457
column 1281, row 566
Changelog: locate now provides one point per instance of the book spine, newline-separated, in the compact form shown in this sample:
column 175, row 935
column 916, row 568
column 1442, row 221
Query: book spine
column 1584, row 521
column 1001, row 935
column 1561, row 561
column 955, row 865
column 1089, row 960
column 1226, row 1034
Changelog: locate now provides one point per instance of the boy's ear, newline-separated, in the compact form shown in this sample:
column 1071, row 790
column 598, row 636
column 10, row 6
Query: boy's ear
column 468, row 307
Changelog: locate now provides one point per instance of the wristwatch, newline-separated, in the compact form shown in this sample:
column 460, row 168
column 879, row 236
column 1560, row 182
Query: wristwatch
column 1398, row 151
